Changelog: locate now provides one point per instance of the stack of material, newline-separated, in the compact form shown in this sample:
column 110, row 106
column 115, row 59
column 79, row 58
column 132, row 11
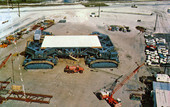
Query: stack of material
column 156, row 51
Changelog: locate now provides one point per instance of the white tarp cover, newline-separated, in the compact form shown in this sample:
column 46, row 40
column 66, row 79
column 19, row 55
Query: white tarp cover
column 162, row 98
column 71, row 41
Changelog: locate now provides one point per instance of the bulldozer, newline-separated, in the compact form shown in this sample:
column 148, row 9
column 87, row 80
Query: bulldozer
column 73, row 69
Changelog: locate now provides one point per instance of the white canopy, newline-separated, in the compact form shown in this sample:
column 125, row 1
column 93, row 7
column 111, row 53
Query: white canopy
column 71, row 41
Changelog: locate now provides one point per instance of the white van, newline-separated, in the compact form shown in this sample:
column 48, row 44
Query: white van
column 37, row 35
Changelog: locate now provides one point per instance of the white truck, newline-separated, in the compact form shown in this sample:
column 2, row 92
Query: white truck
column 162, row 78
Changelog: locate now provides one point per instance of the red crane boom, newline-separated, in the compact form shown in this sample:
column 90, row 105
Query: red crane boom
column 4, row 61
column 108, row 96
column 125, row 80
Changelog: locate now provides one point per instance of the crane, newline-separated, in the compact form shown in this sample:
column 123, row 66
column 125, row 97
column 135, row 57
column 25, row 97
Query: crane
column 108, row 94
column 5, row 60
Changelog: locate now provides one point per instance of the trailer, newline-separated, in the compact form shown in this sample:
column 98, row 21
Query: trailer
column 97, row 49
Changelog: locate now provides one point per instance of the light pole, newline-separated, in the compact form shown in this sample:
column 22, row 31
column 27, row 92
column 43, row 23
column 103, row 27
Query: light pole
column 156, row 21
column 99, row 11
column 13, row 80
column 18, row 10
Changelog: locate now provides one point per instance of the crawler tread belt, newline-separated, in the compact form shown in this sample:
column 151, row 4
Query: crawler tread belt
column 39, row 65
column 103, row 63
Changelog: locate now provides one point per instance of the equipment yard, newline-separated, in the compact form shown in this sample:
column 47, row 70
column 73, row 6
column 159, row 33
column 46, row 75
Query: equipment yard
column 115, row 40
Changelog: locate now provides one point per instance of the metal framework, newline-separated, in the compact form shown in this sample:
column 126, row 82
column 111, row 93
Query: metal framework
column 3, row 84
column 29, row 97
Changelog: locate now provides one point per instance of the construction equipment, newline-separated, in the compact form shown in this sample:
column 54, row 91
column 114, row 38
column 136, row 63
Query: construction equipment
column 10, row 38
column 139, row 20
column 47, row 23
column 134, row 6
column 147, row 79
column 119, row 28
column 5, row 43
column 5, row 60
column 62, row 21
column 141, row 29
column 5, row 21
column 73, row 69
column 103, row 57
column 135, row 96
column 108, row 94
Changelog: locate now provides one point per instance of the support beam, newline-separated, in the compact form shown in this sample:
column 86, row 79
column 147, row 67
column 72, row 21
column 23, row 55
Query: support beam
column 29, row 97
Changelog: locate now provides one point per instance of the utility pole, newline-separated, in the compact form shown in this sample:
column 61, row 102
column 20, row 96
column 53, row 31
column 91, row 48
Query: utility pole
column 18, row 10
column 12, row 4
column 13, row 80
column 99, row 11
column 156, row 21
column 7, row 3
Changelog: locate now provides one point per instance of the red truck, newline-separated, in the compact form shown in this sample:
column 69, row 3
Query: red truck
column 73, row 69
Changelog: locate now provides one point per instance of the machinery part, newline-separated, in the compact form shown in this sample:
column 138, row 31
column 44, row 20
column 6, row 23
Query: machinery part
column 39, row 65
column 4, row 92
column 135, row 96
column 4, row 61
column 139, row 89
column 73, row 69
column 29, row 97
column 147, row 79
column 2, row 99
column 73, row 57
column 3, row 84
column 108, row 94
column 103, row 64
